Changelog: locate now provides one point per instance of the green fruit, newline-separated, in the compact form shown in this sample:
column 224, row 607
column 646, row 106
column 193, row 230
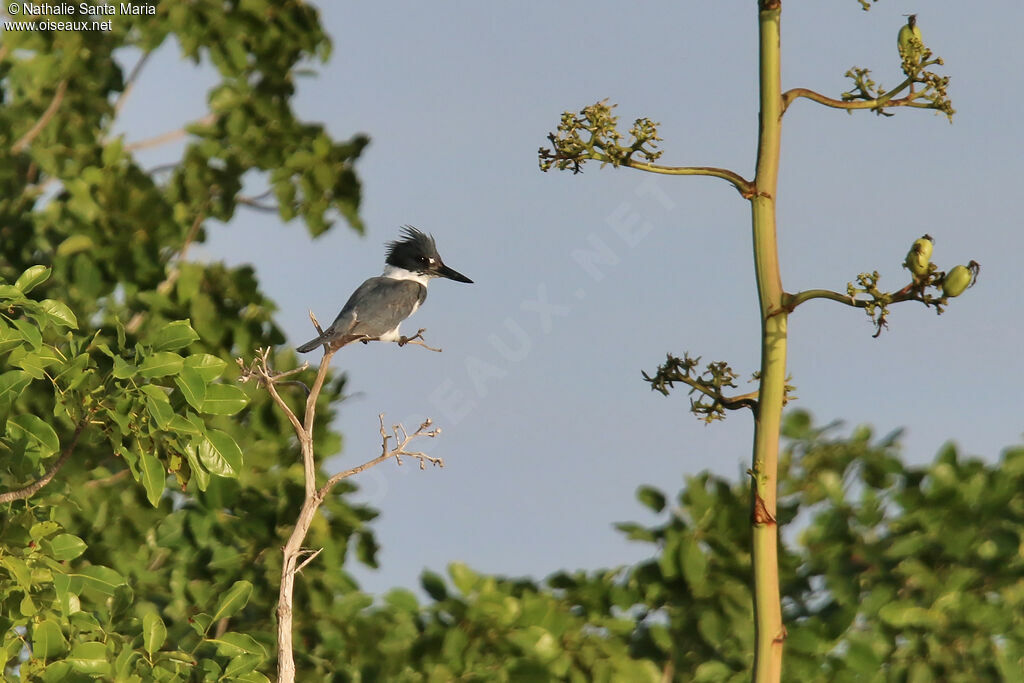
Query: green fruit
column 909, row 41
column 959, row 279
column 920, row 255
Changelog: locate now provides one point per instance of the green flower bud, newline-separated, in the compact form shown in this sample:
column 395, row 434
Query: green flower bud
column 959, row 279
column 909, row 41
column 919, row 256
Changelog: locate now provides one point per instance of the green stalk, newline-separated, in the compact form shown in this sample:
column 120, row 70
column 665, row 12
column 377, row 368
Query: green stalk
column 770, row 633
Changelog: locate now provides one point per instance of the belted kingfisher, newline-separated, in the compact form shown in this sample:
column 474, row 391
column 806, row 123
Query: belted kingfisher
column 377, row 308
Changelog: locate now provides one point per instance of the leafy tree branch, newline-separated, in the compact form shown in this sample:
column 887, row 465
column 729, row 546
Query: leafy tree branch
column 30, row 489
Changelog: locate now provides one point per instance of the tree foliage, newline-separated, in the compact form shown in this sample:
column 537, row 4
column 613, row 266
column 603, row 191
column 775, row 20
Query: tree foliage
column 897, row 572
column 170, row 485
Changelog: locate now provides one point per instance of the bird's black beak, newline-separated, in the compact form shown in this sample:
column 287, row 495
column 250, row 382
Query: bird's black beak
column 452, row 274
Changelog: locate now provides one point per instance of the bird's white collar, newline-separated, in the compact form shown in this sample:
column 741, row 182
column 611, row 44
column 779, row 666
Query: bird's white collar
column 396, row 273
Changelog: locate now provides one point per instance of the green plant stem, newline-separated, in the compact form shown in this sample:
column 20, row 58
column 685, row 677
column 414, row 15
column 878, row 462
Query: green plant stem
column 744, row 186
column 884, row 101
column 791, row 301
column 769, row 631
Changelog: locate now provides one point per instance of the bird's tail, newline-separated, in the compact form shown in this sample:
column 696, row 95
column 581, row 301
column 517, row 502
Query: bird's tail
column 310, row 345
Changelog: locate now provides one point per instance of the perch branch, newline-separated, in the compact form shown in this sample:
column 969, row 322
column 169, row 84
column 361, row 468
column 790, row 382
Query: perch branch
column 28, row 491
column 169, row 136
column 293, row 550
column 44, row 119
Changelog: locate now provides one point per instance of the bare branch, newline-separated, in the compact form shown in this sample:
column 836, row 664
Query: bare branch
column 129, row 83
column 310, row 558
column 28, row 491
column 397, row 452
column 107, row 481
column 169, row 136
column 37, row 128
column 173, row 273
column 260, row 370
column 253, row 203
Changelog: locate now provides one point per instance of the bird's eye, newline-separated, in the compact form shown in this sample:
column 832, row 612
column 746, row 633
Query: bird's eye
column 423, row 259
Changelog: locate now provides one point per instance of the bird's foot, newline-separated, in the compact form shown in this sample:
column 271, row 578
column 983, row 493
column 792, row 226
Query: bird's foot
column 417, row 339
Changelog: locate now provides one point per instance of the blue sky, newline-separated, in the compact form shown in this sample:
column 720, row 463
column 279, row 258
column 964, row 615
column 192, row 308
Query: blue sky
column 548, row 427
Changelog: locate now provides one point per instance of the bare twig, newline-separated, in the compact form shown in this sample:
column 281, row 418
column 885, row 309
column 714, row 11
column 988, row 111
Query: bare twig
column 27, row 491
column 37, row 128
column 311, row 556
column 107, row 481
column 130, row 82
column 397, row 452
column 259, row 369
column 173, row 273
column 402, row 341
column 254, row 203
column 169, row 136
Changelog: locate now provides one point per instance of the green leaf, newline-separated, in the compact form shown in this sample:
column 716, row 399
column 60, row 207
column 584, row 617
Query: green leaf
column 123, row 369
column 695, row 565
column 172, row 336
column 28, row 280
column 161, row 364
column 66, row 547
column 199, row 473
column 224, row 399
column 89, row 658
column 153, row 476
column 27, row 607
column 10, row 337
column 74, row 244
column 35, row 431
column 220, row 454
column 903, row 614
column 209, row 367
column 402, row 599
column 464, row 578
column 100, row 579
column 160, row 411
column 59, row 313
column 200, row 623
column 433, row 584
column 19, row 570
column 11, row 292
column 192, row 387
column 241, row 667
column 35, row 363
column 41, row 530
column 12, row 382
column 62, row 587
column 712, row 672
column 48, row 640
column 233, row 644
column 233, row 600
column 154, row 633
column 651, row 498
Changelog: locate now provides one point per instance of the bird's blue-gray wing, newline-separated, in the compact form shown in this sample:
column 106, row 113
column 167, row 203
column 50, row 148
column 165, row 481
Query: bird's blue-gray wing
column 374, row 309
column 380, row 304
